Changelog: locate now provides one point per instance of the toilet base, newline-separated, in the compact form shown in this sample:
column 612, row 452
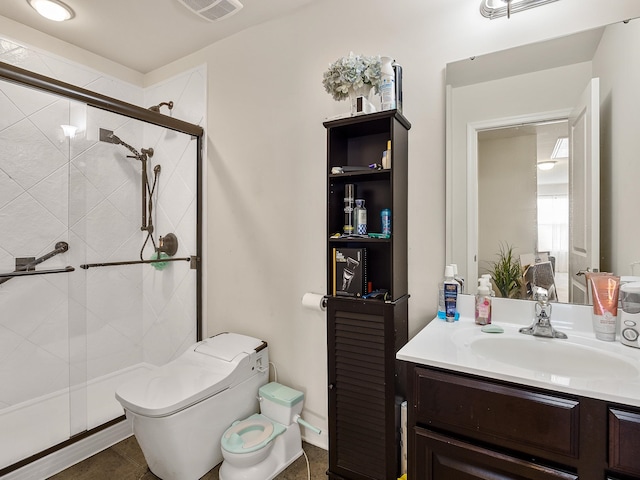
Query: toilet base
column 287, row 448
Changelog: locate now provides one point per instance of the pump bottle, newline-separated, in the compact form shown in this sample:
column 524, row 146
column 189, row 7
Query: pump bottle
column 483, row 302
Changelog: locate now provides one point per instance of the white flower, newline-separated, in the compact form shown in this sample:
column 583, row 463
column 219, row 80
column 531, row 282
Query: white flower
column 349, row 72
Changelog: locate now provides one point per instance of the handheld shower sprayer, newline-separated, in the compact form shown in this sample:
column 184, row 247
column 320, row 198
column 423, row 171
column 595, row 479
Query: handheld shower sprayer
column 156, row 108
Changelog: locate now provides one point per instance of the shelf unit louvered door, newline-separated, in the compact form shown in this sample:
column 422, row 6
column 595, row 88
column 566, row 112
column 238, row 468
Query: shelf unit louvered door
column 364, row 380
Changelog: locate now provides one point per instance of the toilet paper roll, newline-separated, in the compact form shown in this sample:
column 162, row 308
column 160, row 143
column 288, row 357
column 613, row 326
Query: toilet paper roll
column 314, row 301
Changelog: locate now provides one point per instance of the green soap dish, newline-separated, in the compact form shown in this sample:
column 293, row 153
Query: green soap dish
column 492, row 329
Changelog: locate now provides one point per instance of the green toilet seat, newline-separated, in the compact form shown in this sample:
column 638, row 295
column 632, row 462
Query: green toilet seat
column 251, row 434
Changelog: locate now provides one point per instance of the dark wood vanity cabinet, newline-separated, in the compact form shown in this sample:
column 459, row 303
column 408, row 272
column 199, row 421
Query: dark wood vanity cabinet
column 467, row 427
column 363, row 335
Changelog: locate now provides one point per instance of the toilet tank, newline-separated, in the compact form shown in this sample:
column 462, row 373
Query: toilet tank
column 280, row 403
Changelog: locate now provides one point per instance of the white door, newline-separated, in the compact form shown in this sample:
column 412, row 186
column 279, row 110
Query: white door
column 584, row 191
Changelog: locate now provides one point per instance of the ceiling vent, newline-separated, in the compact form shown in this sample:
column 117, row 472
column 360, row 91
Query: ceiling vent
column 212, row 10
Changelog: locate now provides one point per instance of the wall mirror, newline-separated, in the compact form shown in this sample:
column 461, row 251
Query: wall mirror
column 568, row 102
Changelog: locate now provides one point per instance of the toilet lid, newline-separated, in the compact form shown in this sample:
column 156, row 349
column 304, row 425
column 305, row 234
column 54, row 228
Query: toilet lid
column 171, row 388
column 250, row 434
column 206, row 369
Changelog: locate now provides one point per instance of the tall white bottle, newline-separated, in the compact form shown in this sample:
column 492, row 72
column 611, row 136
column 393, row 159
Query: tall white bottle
column 388, row 85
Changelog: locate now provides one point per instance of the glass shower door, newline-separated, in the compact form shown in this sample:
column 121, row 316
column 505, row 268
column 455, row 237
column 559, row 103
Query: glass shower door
column 34, row 288
column 79, row 312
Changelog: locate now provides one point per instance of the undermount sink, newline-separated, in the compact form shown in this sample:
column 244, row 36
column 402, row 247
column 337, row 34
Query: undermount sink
column 553, row 356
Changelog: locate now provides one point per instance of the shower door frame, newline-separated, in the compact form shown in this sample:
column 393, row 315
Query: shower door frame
column 30, row 79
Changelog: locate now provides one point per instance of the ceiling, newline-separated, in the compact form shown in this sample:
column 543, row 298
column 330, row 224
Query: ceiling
column 547, row 133
column 145, row 34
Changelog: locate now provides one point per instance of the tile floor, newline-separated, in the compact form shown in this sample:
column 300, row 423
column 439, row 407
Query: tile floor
column 124, row 461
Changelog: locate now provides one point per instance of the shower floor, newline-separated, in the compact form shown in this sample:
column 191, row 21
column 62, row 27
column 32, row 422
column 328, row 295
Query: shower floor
column 33, row 426
column 125, row 461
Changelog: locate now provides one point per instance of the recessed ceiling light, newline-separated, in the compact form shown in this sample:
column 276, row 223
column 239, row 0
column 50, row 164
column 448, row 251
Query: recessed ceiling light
column 52, row 9
column 546, row 165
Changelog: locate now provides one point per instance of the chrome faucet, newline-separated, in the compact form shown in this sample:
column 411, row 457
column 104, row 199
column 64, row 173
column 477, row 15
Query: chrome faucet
column 541, row 326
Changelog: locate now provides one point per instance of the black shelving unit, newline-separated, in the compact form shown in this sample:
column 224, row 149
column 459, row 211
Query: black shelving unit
column 365, row 380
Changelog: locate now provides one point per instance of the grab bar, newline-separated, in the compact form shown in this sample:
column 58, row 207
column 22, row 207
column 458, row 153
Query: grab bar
column 191, row 259
column 60, row 247
column 25, row 273
column 29, row 268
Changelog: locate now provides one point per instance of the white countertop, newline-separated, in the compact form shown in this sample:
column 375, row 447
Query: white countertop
column 580, row 365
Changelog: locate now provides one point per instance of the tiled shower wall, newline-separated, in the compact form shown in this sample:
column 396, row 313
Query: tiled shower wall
column 58, row 330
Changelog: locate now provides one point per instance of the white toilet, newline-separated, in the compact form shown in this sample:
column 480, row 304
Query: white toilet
column 263, row 445
column 179, row 411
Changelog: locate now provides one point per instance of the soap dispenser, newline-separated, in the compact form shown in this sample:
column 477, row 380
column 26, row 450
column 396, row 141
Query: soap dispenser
column 483, row 303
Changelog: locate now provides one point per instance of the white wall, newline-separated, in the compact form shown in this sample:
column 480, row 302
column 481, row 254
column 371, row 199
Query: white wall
column 266, row 155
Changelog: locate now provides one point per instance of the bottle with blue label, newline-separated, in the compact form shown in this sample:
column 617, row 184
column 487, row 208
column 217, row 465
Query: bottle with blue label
column 387, row 84
column 448, row 296
column 385, row 219
column 360, row 214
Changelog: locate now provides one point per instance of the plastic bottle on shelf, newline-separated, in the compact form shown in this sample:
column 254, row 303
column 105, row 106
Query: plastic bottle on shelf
column 483, row 302
column 360, row 217
column 349, row 195
column 385, row 219
column 388, row 85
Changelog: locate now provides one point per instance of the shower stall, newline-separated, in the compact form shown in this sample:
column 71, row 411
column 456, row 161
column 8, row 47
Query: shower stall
column 100, row 256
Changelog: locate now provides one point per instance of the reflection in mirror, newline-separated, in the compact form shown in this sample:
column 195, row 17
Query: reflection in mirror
column 531, row 208
column 528, row 88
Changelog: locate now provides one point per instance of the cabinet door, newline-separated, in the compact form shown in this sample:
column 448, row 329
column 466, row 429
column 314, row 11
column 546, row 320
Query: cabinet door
column 442, row 458
column 624, row 441
column 362, row 422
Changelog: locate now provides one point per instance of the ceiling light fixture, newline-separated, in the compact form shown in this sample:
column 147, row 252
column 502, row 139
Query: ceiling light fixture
column 52, row 9
column 546, row 165
column 500, row 8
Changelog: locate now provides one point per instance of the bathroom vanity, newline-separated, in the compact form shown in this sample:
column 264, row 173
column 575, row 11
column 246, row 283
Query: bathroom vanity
column 511, row 406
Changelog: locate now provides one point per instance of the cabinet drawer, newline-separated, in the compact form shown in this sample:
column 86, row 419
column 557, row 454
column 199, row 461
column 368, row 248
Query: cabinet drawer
column 624, row 441
column 442, row 458
column 530, row 422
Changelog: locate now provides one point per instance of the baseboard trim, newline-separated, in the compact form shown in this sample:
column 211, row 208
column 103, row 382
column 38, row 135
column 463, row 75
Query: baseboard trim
column 66, row 457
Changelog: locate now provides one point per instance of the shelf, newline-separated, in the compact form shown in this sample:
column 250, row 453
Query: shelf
column 371, row 117
column 359, row 240
column 362, row 175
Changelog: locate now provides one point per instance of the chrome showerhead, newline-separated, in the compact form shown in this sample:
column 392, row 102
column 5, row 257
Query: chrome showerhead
column 156, row 108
